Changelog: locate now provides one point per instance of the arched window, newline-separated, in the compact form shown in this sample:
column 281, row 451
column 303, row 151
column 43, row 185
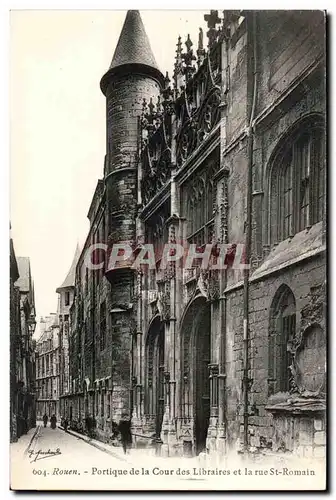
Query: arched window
column 282, row 330
column 199, row 193
column 297, row 184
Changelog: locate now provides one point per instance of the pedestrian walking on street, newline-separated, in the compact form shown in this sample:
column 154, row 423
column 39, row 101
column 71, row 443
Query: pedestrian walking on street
column 45, row 420
column 53, row 422
column 66, row 424
column 125, row 432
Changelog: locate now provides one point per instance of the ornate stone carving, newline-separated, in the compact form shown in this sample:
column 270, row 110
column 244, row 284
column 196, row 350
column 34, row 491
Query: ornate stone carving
column 224, row 204
column 194, row 100
column 212, row 20
column 163, row 305
column 312, row 315
column 208, row 284
column 155, row 123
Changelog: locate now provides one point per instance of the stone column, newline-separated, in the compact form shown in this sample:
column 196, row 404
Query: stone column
column 137, row 353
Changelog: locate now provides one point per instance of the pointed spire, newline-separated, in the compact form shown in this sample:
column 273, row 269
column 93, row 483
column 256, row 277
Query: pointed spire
column 200, row 49
column 70, row 277
column 133, row 49
column 133, row 46
column 177, row 75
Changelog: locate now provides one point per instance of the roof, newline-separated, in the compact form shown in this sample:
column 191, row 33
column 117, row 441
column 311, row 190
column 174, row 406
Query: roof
column 24, row 281
column 70, row 277
column 96, row 195
column 133, row 48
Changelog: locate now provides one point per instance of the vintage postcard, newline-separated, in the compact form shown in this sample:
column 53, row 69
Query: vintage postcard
column 168, row 250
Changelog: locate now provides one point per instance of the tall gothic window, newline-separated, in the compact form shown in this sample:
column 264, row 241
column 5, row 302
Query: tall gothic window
column 157, row 231
column 298, row 182
column 282, row 330
column 199, row 194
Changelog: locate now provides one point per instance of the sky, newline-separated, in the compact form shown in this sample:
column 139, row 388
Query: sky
column 57, row 125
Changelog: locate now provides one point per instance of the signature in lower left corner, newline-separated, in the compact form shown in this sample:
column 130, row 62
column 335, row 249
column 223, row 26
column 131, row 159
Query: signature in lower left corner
column 41, row 454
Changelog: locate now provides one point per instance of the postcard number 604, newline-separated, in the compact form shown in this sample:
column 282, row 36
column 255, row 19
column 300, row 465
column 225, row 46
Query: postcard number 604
column 39, row 472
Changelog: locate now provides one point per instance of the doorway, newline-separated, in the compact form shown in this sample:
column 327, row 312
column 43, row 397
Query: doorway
column 195, row 390
column 202, row 385
column 155, row 353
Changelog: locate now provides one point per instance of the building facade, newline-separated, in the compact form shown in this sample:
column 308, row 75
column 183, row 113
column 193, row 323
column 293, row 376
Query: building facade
column 48, row 368
column 15, row 334
column 65, row 301
column 22, row 346
column 229, row 153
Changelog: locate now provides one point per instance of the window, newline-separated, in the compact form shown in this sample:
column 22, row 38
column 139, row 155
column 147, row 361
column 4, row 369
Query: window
column 199, row 194
column 67, row 298
column 102, row 403
column 282, row 330
column 298, row 182
column 66, row 324
column 108, row 405
column 102, row 326
column 97, row 400
column 157, row 231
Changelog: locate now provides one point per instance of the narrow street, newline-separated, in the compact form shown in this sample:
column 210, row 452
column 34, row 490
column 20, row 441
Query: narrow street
column 54, row 458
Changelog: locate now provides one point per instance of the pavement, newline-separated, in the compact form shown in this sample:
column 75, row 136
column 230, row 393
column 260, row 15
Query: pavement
column 23, row 443
column 48, row 459
column 114, row 451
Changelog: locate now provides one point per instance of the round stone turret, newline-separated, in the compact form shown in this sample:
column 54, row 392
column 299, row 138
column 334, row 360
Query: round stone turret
column 132, row 77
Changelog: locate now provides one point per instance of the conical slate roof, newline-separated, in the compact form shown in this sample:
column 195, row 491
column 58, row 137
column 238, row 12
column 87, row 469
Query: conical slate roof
column 133, row 49
column 133, row 46
column 70, row 278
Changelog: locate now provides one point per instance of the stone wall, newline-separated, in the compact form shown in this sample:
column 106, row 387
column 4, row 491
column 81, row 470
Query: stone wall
column 289, row 43
column 301, row 279
column 289, row 88
column 124, row 105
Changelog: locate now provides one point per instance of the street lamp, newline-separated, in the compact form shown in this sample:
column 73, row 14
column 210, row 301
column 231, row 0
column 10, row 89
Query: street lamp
column 31, row 324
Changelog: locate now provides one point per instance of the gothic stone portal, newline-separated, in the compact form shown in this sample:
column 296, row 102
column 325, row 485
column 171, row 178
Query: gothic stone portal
column 196, row 331
column 155, row 374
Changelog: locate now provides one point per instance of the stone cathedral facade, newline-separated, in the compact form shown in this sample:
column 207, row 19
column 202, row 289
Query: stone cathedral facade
column 228, row 150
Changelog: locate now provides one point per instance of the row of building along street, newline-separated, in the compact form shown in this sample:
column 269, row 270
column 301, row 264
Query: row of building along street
column 228, row 150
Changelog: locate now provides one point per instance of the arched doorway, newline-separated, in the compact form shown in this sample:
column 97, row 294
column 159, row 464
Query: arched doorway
column 154, row 401
column 196, row 341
